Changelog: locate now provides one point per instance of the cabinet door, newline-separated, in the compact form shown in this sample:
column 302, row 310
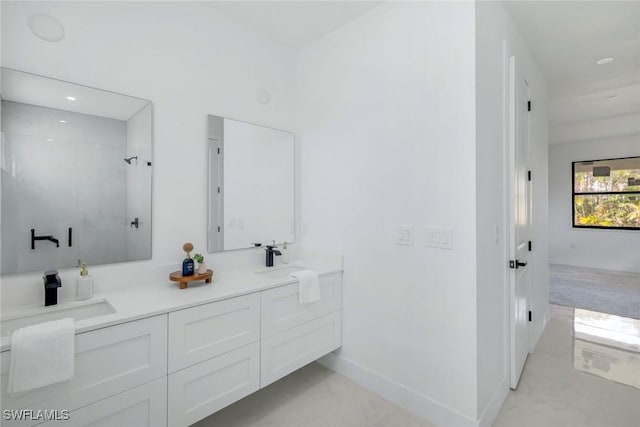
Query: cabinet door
column 282, row 310
column 200, row 333
column 107, row 361
column 200, row 390
column 143, row 406
column 287, row 351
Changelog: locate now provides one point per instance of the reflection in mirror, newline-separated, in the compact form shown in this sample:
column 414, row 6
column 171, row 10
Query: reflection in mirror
column 76, row 174
column 251, row 185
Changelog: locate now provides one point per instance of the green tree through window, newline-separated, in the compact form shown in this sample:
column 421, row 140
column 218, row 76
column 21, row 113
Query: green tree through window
column 606, row 193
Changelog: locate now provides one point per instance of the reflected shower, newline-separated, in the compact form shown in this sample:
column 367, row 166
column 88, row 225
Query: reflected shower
column 130, row 159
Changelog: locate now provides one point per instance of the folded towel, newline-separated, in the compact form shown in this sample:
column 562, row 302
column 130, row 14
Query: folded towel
column 41, row 355
column 308, row 286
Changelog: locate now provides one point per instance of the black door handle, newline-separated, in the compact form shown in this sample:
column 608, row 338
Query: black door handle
column 520, row 264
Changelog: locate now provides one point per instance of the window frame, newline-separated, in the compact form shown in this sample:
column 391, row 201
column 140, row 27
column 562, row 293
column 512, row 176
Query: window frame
column 601, row 193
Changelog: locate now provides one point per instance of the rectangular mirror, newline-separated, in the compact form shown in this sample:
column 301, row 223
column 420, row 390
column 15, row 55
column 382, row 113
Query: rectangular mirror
column 251, row 185
column 76, row 174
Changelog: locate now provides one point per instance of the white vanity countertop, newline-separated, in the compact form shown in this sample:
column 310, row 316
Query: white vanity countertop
column 159, row 298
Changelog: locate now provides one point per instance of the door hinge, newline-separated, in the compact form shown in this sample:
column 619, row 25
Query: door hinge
column 218, row 229
column 218, row 190
column 529, row 245
column 218, row 150
column 529, row 175
column 528, row 105
column 530, row 316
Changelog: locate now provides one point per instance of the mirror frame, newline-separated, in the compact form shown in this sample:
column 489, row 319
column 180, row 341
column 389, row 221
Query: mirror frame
column 220, row 181
column 151, row 106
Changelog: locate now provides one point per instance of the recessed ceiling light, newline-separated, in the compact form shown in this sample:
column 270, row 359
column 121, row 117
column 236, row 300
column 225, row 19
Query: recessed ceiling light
column 50, row 139
column 46, row 27
column 612, row 97
column 71, row 98
column 604, row 60
column 63, row 121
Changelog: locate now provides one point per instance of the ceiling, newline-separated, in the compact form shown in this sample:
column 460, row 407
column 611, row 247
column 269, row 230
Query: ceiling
column 32, row 89
column 567, row 37
column 293, row 23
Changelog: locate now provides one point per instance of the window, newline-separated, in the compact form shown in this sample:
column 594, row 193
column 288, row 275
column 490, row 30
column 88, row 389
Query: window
column 606, row 194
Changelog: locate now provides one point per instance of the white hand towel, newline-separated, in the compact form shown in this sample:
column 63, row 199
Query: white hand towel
column 41, row 355
column 308, row 286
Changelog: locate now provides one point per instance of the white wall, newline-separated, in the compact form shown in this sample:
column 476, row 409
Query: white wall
column 189, row 61
column 386, row 123
column 52, row 181
column 497, row 40
column 604, row 249
column 139, row 174
column 593, row 130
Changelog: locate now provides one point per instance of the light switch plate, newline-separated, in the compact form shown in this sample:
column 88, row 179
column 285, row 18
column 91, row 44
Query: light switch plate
column 405, row 235
column 438, row 238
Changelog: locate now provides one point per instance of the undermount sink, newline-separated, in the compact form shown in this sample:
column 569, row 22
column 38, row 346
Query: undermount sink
column 280, row 272
column 77, row 310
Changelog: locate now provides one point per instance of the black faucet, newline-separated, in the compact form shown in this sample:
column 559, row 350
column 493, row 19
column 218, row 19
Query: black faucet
column 51, row 284
column 34, row 238
column 271, row 251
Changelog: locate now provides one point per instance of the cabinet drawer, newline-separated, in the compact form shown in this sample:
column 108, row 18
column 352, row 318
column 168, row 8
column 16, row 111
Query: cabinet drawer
column 287, row 351
column 282, row 310
column 200, row 390
column 107, row 362
column 200, row 333
column 143, row 406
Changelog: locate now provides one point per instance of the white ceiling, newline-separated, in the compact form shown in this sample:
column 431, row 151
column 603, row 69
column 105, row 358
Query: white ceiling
column 32, row 89
column 293, row 23
column 567, row 37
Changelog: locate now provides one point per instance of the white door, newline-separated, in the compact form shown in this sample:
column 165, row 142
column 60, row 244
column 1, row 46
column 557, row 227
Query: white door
column 520, row 205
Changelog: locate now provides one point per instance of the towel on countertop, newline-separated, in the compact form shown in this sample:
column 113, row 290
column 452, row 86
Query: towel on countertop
column 308, row 286
column 41, row 355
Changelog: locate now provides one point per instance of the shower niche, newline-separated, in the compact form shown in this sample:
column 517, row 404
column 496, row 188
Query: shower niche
column 76, row 174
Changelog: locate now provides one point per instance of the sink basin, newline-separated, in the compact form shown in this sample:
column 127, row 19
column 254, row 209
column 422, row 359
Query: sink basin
column 77, row 310
column 279, row 272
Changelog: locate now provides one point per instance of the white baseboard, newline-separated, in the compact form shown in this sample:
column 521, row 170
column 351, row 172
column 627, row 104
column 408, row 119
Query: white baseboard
column 411, row 400
column 495, row 404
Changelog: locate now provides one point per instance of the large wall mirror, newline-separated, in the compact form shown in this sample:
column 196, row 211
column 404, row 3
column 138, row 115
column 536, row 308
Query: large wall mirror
column 76, row 174
column 251, row 185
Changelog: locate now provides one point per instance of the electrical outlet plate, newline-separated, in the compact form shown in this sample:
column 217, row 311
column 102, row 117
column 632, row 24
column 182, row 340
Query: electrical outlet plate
column 405, row 235
column 441, row 238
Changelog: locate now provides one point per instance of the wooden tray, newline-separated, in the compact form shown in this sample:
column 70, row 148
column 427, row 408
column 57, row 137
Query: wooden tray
column 177, row 276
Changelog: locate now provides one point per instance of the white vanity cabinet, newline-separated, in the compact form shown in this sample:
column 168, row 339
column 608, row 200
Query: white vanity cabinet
column 281, row 309
column 200, row 333
column 176, row 368
column 223, row 351
column 200, row 390
column 294, row 334
column 214, row 357
column 107, row 361
column 143, row 406
column 294, row 348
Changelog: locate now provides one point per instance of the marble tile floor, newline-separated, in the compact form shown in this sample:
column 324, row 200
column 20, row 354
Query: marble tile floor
column 571, row 382
column 313, row 396
column 565, row 383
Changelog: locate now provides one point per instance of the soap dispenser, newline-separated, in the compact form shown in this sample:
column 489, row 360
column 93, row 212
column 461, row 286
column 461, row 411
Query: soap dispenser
column 284, row 259
column 84, row 287
column 188, row 268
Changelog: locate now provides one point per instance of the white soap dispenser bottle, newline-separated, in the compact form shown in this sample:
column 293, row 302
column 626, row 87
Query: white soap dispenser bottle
column 84, row 287
column 285, row 256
